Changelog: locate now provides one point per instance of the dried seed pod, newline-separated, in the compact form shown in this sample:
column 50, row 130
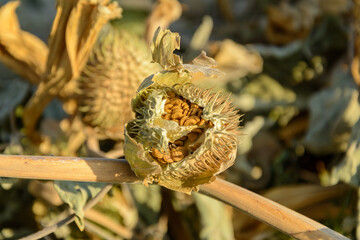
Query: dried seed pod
column 115, row 68
column 202, row 154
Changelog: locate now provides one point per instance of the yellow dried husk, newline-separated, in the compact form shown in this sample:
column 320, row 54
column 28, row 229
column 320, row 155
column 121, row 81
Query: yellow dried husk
column 149, row 130
column 116, row 67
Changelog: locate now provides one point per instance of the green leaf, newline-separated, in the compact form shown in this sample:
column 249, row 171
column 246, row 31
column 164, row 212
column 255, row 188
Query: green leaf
column 215, row 219
column 148, row 201
column 333, row 112
column 76, row 195
column 349, row 168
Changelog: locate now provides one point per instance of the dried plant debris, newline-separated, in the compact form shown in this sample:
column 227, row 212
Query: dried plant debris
column 290, row 22
column 235, row 59
column 182, row 135
column 19, row 50
column 291, row 66
column 164, row 13
column 76, row 195
column 68, row 50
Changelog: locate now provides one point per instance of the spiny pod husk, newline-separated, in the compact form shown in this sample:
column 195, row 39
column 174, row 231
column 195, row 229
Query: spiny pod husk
column 117, row 65
column 182, row 135
column 178, row 153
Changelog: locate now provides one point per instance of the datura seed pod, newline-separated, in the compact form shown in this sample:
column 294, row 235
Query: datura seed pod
column 182, row 135
column 117, row 65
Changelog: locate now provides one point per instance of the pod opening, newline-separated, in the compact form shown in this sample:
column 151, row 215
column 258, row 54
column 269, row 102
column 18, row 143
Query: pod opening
column 185, row 113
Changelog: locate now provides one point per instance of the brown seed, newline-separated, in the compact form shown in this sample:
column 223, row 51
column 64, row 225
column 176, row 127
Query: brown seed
column 166, row 116
column 184, row 105
column 179, row 143
column 177, row 155
column 167, row 159
column 167, row 108
column 176, row 107
column 209, row 124
column 189, row 121
column 183, row 138
column 161, row 160
column 182, row 120
column 192, row 136
column 198, row 130
column 195, row 146
column 183, row 150
column 186, row 111
column 193, row 105
column 176, row 101
column 176, row 115
column 192, row 111
column 156, row 153
column 202, row 122
column 199, row 113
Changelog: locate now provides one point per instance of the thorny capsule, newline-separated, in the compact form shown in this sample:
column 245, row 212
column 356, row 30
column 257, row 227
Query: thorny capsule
column 182, row 135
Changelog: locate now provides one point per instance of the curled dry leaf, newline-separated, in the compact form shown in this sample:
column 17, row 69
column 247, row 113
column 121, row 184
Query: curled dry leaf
column 291, row 22
column 74, row 32
column 164, row 13
column 19, row 50
column 182, row 135
column 162, row 47
column 236, row 60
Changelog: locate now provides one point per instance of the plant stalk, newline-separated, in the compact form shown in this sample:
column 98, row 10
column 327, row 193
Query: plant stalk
column 118, row 170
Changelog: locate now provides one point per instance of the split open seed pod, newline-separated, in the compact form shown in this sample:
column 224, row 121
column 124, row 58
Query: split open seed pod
column 182, row 135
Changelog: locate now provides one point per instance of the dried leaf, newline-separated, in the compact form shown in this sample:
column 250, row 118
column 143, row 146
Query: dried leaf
column 200, row 38
column 291, row 22
column 162, row 47
column 234, row 56
column 204, row 64
column 19, row 50
column 74, row 32
column 164, row 13
column 76, row 195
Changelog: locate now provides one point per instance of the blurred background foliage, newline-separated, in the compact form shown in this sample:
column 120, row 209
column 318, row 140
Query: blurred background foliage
column 292, row 70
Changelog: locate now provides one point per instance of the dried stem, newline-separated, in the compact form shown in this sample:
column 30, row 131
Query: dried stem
column 107, row 222
column 69, row 219
column 117, row 170
column 267, row 211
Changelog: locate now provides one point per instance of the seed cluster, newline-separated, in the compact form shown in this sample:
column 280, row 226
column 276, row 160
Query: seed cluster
column 185, row 113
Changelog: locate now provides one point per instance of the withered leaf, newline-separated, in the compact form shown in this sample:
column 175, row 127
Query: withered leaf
column 164, row 13
column 19, row 50
column 162, row 47
column 74, row 32
column 76, row 195
column 204, row 64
